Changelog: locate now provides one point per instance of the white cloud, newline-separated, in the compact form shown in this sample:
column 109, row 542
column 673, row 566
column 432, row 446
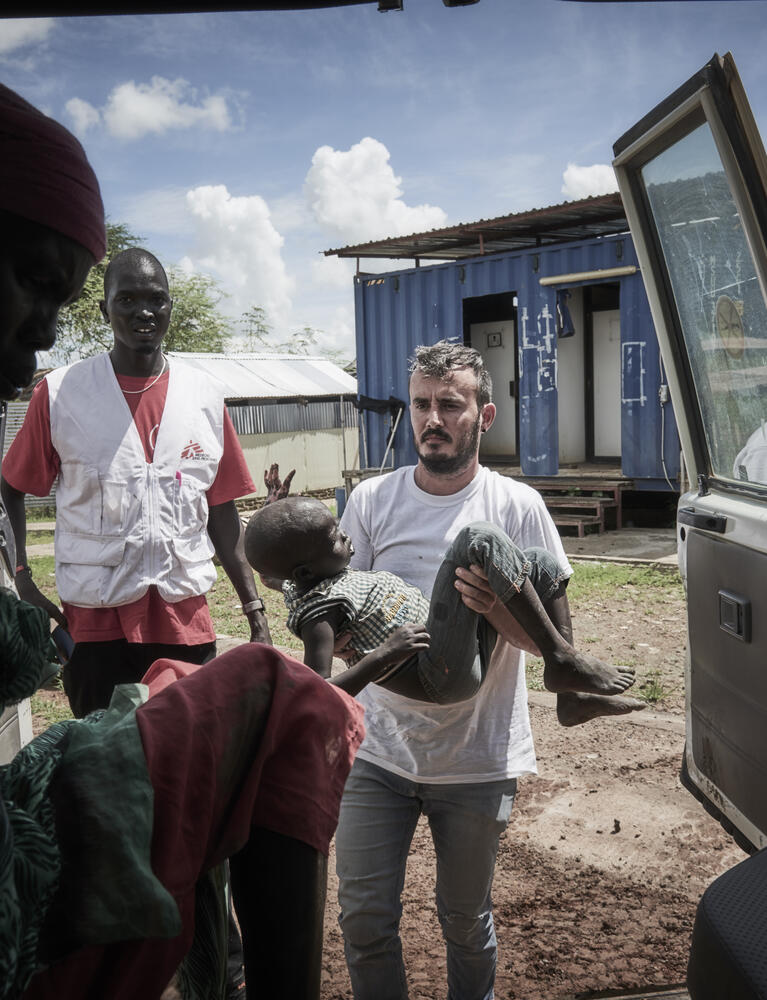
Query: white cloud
column 134, row 110
column 334, row 326
column 583, row 182
column 159, row 211
column 356, row 195
column 242, row 249
column 338, row 335
column 17, row 34
column 333, row 272
column 83, row 115
column 342, row 329
column 289, row 213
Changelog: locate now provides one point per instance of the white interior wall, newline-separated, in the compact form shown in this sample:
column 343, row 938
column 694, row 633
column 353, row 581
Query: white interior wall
column 317, row 456
column 497, row 345
column 571, row 376
column 607, row 383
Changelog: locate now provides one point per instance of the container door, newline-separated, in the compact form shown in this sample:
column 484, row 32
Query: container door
column 693, row 180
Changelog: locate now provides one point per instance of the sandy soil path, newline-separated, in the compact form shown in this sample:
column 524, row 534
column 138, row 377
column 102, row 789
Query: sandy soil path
column 598, row 874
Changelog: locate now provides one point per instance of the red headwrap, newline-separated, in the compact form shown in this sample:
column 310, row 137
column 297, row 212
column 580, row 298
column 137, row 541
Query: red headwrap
column 45, row 175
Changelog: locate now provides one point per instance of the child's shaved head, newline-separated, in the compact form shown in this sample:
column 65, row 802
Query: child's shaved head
column 286, row 534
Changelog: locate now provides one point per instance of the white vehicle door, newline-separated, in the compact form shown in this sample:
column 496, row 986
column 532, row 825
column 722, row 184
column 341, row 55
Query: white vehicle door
column 693, row 177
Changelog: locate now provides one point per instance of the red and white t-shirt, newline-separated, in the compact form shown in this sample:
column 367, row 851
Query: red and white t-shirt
column 31, row 466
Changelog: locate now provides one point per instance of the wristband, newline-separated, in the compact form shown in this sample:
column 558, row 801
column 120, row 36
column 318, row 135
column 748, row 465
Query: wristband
column 22, row 569
column 257, row 605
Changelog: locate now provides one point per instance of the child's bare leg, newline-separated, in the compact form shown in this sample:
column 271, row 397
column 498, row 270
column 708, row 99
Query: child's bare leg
column 573, row 708
column 565, row 669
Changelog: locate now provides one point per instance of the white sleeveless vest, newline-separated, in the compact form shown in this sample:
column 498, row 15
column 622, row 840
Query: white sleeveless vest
column 123, row 524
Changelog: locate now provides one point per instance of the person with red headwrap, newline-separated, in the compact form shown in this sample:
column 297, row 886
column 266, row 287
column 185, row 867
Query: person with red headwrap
column 109, row 824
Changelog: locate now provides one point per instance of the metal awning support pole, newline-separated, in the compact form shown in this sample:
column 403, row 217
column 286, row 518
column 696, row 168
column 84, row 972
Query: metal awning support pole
column 364, row 440
column 343, row 428
column 391, row 441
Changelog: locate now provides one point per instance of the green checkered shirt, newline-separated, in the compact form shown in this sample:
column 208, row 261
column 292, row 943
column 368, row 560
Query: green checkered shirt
column 373, row 604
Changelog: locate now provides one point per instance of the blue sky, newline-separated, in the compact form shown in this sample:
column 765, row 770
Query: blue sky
column 245, row 144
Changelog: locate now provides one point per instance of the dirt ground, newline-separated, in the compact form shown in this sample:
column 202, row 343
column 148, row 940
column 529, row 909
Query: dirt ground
column 598, row 874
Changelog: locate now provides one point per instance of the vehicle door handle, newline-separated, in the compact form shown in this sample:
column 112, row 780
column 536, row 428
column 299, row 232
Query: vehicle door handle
column 706, row 521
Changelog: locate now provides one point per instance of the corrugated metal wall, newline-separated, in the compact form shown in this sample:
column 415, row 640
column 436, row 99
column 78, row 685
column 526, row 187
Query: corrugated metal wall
column 275, row 417
column 401, row 309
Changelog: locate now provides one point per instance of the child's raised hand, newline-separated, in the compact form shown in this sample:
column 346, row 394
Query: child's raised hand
column 403, row 642
column 276, row 488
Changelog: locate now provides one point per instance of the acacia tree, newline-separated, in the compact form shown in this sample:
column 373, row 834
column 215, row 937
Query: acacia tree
column 196, row 322
column 256, row 334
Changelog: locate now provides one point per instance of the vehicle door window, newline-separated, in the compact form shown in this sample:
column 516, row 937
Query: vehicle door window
column 720, row 304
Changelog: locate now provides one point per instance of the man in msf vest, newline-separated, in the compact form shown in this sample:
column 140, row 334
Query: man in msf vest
column 149, row 468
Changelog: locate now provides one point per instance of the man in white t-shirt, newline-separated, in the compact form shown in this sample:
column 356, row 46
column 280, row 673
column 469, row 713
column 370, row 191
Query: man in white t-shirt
column 456, row 764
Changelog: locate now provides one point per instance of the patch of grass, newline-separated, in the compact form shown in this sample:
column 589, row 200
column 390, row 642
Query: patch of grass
column 619, row 606
column 41, row 514
column 228, row 619
column 653, row 690
column 534, row 673
column 43, row 574
column 637, row 583
column 39, row 537
column 49, row 709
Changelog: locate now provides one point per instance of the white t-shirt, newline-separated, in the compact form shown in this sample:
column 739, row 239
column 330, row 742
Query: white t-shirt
column 751, row 461
column 395, row 526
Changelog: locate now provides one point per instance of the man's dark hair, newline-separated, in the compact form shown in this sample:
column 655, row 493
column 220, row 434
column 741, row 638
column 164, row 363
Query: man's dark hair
column 440, row 360
column 125, row 257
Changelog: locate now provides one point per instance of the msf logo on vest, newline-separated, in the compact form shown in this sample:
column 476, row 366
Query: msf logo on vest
column 194, row 452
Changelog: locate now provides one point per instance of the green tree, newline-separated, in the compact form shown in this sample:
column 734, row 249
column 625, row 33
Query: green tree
column 256, row 332
column 196, row 324
column 257, row 335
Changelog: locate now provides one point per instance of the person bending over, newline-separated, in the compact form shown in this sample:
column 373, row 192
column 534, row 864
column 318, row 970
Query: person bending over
column 434, row 651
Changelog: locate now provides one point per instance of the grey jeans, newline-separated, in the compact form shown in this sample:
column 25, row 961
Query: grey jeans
column 379, row 813
column 461, row 641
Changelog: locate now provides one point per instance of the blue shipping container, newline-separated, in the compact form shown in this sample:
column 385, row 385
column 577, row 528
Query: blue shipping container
column 567, row 335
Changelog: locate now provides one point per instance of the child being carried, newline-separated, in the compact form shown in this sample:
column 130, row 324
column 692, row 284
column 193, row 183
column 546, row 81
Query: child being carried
column 436, row 650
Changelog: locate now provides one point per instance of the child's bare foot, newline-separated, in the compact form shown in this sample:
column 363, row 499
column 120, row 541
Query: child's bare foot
column 574, row 709
column 573, row 671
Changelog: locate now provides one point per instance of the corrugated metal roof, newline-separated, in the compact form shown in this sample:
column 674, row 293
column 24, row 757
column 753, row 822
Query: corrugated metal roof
column 273, row 376
column 601, row 215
